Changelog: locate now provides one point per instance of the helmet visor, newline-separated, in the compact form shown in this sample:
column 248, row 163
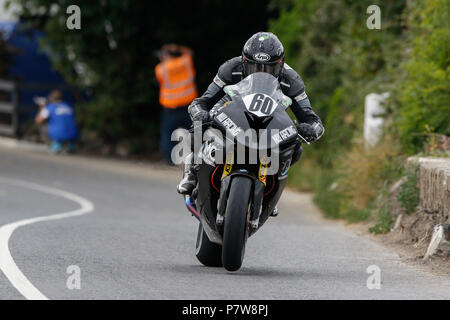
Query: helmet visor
column 274, row 68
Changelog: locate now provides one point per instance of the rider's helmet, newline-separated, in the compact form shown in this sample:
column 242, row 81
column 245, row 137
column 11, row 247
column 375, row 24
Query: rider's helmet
column 263, row 52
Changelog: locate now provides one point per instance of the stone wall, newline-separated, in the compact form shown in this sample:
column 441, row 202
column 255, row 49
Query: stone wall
column 435, row 186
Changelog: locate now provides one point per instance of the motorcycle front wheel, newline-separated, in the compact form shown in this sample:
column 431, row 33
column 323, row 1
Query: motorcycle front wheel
column 235, row 230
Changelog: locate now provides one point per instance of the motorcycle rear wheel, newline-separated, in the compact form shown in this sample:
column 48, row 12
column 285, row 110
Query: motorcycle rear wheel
column 207, row 252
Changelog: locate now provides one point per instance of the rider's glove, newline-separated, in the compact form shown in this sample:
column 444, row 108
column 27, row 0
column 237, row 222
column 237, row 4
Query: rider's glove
column 197, row 113
column 307, row 132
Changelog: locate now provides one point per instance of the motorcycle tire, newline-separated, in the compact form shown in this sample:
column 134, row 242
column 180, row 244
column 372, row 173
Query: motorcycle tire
column 207, row 252
column 236, row 227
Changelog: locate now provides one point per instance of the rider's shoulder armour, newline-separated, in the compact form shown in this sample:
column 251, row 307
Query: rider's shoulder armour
column 230, row 72
column 291, row 83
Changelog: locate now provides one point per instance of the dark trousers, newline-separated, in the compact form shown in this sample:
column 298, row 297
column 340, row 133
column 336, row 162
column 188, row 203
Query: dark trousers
column 172, row 119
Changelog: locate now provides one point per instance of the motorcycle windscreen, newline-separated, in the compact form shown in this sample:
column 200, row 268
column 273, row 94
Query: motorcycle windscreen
column 260, row 83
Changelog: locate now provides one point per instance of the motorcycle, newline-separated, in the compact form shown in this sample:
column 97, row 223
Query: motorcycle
column 233, row 199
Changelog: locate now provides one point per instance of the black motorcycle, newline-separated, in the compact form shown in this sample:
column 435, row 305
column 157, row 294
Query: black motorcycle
column 236, row 191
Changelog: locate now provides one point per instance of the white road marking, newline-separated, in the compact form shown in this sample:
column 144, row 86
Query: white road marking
column 7, row 264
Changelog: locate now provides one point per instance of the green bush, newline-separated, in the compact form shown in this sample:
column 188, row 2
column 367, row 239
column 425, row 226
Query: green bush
column 383, row 217
column 383, row 223
column 424, row 89
column 408, row 195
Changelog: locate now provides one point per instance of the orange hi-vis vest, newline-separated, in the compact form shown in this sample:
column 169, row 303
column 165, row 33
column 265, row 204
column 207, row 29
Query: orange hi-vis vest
column 176, row 78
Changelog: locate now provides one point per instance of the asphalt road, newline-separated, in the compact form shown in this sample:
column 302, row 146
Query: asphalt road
column 138, row 242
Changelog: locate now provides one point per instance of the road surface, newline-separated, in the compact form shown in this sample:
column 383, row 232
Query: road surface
column 127, row 232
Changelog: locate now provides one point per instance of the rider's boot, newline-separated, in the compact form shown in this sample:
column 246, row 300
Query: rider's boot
column 189, row 181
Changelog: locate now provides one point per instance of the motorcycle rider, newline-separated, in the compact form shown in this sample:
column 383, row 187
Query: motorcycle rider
column 263, row 52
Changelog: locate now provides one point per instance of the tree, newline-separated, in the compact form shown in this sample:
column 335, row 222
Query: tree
column 112, row 54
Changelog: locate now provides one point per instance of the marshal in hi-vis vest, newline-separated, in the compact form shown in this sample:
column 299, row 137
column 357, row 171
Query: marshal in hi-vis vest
column 176, row 78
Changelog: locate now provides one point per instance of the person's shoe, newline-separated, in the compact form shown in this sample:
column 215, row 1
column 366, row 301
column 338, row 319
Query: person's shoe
column 55, row 147
column 275, row 212
column 189, row 181
column 71, row 148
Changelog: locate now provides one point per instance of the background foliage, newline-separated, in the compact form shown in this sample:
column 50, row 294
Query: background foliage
column 424, row 89
column 327, row 42
column 341, row 61
column 112, row 56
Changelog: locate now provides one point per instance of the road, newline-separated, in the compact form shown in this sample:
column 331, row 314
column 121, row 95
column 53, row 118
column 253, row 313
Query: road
column 137, row 241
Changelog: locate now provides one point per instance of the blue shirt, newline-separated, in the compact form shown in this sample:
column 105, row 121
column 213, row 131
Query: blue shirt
column 61, row 123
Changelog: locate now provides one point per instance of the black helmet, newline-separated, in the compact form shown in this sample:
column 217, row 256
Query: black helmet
column 263, row 52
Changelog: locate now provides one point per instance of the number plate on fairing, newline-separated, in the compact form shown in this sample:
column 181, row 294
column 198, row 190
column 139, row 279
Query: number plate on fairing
column 260, row 104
